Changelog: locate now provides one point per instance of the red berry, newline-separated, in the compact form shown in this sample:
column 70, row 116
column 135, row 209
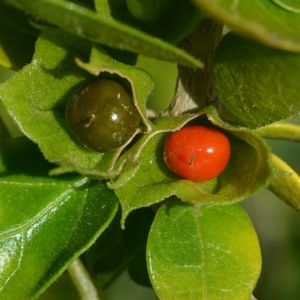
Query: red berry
column 197, row 153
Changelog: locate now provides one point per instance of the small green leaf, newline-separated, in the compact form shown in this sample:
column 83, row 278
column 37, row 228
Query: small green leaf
column 256, row 85
column 46, row 222
column 281, row 130
column 95, row 27
column 203, row 252
column 146, row 180
column 286, row 183
column 17, row 38
column 272, row 24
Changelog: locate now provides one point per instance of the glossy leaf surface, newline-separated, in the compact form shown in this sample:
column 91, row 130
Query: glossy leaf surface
column 265, row 20
column 46, row 222
column 95, row 27
column 203, row 253
column 256, row 85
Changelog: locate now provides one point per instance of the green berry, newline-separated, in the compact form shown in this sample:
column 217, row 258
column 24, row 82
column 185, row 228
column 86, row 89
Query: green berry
column 101, row 115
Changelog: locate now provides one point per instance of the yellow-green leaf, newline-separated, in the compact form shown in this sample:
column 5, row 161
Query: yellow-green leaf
column 203, row 253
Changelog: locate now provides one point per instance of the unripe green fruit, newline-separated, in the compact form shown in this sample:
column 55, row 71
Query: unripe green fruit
column 148, row 10
column 101, row 115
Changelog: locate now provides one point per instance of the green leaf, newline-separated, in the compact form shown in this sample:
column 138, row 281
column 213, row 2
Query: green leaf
column 5, row 74
column 272, row 24
column 256, row 85
column 17, row 38
column 203, row 252
column 176, row 20
column 35, row 98
column 117, row 250
column 281, row 130
column 95, row 27
column 104, row 8
column 46, row 222
column 286, row 183
column 132, row 158
column 46, row 85
column 146, row 180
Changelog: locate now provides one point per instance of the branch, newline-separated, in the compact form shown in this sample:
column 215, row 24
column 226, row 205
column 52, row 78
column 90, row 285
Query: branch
column 82, row 281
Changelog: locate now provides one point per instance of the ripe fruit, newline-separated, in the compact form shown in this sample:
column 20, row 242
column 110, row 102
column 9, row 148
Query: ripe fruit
column 148, row 10
column 197, row 153
column 101, row 115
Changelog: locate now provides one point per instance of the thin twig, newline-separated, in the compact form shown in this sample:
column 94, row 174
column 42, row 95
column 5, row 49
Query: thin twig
column 82, row 281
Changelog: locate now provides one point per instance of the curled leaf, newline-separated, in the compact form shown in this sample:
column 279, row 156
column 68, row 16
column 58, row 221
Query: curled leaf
column 140, row 81
column 36, row 97
column 146, row 180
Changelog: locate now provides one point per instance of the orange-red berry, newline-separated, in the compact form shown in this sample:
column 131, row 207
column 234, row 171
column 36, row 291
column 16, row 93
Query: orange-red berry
column 197, row 153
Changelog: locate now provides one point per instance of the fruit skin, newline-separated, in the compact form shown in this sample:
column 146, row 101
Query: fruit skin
column 101, row 115
column 148, row 10
column 197, row 153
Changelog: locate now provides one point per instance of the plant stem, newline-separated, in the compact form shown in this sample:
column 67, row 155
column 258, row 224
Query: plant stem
column 253, row 298
column 82, row 281
column 284, row 131
column 286, row 183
